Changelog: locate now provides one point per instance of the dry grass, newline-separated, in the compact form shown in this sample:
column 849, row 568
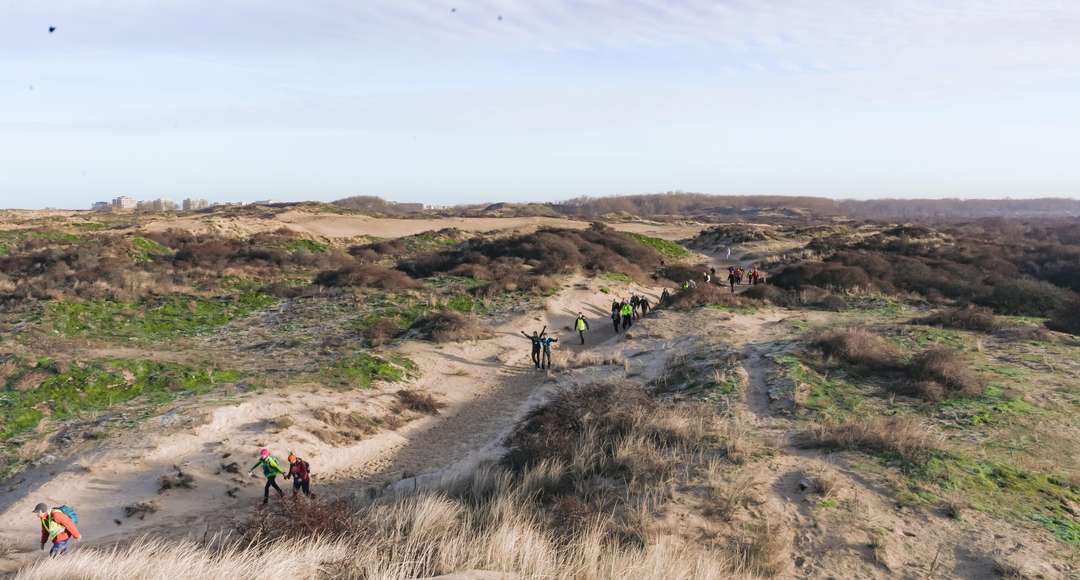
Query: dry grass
column 905, row 437
column 179, row 481
column 344, row 427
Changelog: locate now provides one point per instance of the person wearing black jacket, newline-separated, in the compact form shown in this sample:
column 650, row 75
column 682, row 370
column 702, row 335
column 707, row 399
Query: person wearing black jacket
column 537, row 342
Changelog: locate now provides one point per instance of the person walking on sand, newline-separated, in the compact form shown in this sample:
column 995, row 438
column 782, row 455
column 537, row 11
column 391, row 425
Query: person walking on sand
column 546, row 341
column 627, row 316
column 58, row 527
column 271, row 469
column 665, row 297
column 300, row 474
column 731, row 279
column 581, row 325
column 536, row 339
column 643, row 304
column 634, row 305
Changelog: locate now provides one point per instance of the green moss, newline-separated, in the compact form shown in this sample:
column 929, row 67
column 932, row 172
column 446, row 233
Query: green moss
column 466, row 304
column 668, row 249
column 362, row 369
column 736, row 308
column 163, row 318
column 55, row 236
column 309, row 246
column 96, row 386
column 994, row 406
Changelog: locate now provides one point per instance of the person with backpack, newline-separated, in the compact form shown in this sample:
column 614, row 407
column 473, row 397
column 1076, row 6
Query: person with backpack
column 300, row 474
column 731, row 279
column 271, row 469
column 546, row 341
column 643, row 304
column 581, row 325
column 665, row 297
column 627, row 315
column 634, row 305
column 537, row 341
column 57, row 526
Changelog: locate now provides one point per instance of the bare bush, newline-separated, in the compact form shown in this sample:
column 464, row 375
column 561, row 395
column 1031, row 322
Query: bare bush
column 368, row 276
column 419, row 402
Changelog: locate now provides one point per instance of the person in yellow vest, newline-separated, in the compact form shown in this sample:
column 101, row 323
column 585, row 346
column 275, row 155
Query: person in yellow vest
column 581, row 325
column 627, row 315
column 56, row 527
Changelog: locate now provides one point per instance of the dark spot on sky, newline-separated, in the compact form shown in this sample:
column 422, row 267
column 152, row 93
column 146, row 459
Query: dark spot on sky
column 52, row 29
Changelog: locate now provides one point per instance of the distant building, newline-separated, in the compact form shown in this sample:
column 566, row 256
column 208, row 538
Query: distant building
column 101, row 206
column 160, row 204
column 124, row 202
column 192, row 204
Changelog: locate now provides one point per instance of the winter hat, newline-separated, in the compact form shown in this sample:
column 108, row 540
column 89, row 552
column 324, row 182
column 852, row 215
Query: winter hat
column 264, row 452
column 41, row 508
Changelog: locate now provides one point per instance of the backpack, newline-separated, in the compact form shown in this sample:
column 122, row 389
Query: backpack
column 69, row 512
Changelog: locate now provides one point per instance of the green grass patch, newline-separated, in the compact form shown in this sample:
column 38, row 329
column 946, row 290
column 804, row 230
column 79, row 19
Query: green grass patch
column 1004, row 490
column 466, row 304
column 309, row 246
column 617, row 277
column 46, row 390
column 168, row 317
column 361, row 370
column 833, row 398
column 918, row 337
column 994, row 406
column 667, row 249
column 735, row 308
column 144, row 249
column 428, row 242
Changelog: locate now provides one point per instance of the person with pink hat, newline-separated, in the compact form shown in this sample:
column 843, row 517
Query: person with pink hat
column 271, row 469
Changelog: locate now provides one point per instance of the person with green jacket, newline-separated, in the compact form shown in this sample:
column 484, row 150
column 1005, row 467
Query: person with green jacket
column 581, row 325
column 627, row 312
column 271, row 469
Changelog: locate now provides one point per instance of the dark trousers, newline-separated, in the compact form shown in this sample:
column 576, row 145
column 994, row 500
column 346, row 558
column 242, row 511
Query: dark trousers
column 301, row 484
column 615, row 321
column 546, row 361
column 536, row 357
column 644, row 310
column 581, row 333
column 271, row 482
column 58, row 548
column 627, row 321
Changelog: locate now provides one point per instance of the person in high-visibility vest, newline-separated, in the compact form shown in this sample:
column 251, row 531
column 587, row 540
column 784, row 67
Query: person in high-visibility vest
column 56, row 527
column 581, row 325
column 627, row 315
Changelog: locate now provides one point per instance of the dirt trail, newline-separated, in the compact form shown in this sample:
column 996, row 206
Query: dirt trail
column 487, row 384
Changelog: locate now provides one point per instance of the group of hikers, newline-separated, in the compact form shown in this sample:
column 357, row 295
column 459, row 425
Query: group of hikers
column 541, row 345
column 736, row 276
column 624, row 312
column 59, row 525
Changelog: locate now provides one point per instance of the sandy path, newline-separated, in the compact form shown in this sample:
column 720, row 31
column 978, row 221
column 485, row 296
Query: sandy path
column 349, row 226
column 488, row 385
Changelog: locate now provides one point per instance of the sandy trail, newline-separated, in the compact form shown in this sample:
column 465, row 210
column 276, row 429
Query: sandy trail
column 487, row 384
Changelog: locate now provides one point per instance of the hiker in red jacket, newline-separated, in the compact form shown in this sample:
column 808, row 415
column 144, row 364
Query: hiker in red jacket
column 300, row 474
column 56, row 526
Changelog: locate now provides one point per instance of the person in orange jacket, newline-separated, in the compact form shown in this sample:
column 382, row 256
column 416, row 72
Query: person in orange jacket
column 56, row 526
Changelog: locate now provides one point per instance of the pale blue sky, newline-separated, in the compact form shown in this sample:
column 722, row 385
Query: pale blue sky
column 319, row 99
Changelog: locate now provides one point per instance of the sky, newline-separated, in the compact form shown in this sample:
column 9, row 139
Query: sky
column 458, row 101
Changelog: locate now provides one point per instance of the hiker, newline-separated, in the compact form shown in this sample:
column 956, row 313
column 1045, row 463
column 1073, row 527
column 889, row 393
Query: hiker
column 581, row 325
column 634, row 305
column 546, row 341
column 692, row 283
column 731, row 279
column 706, row 276
column 729, row 252
column 665, row 297
column 643, row 304
column 615, row 320
column 271, row 469
column 536, row 341
column 300, row 474
column 627, row 316
column 712, row 272
column 57, row 526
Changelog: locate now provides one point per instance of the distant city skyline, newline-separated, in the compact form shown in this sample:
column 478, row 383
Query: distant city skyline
column 507, row 100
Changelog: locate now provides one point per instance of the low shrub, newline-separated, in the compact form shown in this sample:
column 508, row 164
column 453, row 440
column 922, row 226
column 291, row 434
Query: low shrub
column 1025, row 297
column 859, row 347
column 419, row 402
column 770, row 294
column 1067, row 317
column 368, row 276
column 704, row 295
column 947, row 367
column 970, row 318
